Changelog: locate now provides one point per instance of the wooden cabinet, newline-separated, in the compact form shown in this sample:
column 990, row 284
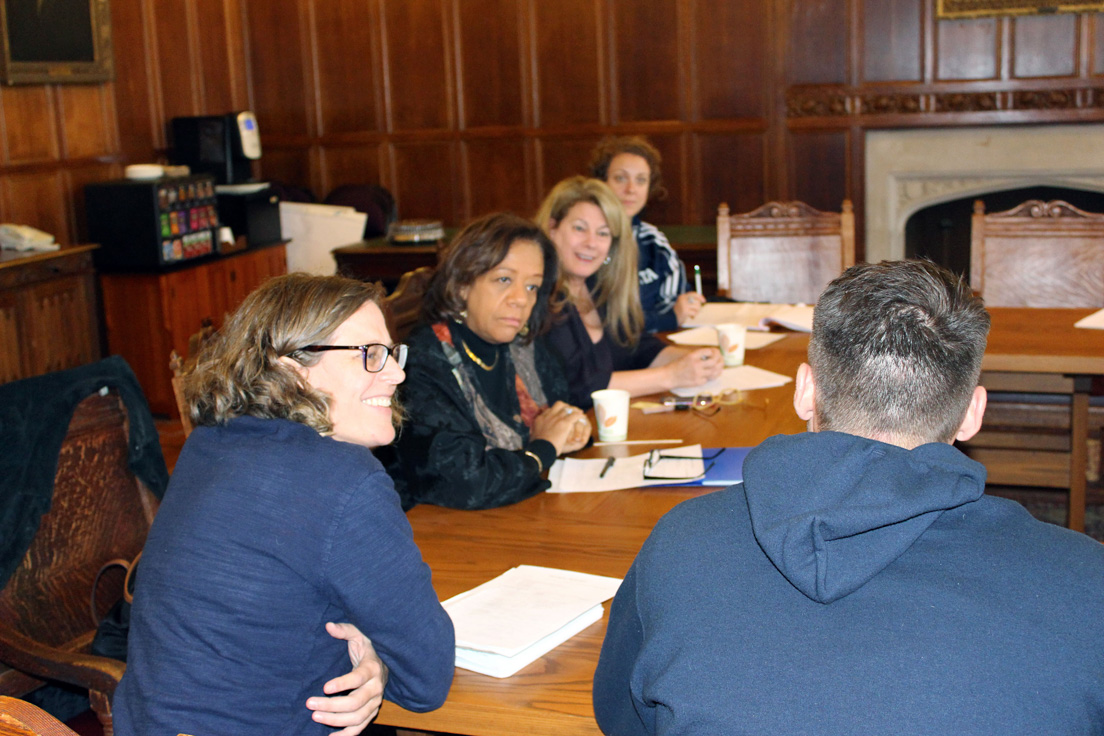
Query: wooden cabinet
column 150, row 315
column 48, row 318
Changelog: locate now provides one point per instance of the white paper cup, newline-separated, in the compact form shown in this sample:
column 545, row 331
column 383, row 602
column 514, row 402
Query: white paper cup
column 733, row 341
column 611, row 409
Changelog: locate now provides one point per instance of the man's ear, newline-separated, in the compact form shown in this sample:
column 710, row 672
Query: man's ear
column 971, row 423
column 805, row 393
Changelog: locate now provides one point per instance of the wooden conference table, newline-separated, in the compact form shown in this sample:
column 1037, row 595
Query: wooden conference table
column 601, row 533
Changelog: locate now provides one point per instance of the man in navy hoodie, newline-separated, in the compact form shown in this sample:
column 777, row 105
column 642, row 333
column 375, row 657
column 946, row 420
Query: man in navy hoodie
column 858, row 581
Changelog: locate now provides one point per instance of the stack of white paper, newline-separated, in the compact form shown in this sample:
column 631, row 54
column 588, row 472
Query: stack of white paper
column 507, row 623
column 316, row 229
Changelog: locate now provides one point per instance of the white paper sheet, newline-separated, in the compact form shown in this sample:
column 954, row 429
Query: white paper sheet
column 740, row 378
column 741, row 313
column 707, row 337
column 524, row 605
column 315, row 230
column 1094, row 321
column 580, row 475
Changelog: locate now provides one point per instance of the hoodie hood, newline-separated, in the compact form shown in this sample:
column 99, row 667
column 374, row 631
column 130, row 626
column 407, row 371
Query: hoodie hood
column 832, row 510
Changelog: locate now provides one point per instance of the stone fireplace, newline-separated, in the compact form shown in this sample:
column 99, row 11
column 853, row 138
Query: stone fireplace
column 908, row 170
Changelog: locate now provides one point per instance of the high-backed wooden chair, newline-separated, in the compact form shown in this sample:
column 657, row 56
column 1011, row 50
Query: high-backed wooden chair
column 1038, row 254
column 99, row 511
column 20, row 718
column 1043, row 255
column 783, row 252
column 401, row 306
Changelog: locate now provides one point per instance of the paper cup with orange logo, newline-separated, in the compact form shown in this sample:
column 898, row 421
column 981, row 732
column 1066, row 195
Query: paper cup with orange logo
column 611, row 409
column 732, row 339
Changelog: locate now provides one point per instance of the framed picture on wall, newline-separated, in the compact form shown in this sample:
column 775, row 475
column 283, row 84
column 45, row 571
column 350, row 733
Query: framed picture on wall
column 55, row 41
column 983, row 8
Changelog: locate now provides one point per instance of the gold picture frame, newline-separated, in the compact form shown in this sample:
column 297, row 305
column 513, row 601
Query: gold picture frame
column 948, row 9
column 55, row 41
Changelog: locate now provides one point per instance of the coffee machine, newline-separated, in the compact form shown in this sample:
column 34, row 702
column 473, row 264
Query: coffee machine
column 222, row 145
column 226, row 146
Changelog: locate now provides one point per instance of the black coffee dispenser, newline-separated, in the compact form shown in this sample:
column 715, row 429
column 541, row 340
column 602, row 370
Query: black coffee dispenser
column 222, row 145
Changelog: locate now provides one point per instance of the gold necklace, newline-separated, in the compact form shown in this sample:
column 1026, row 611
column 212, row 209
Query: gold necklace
column 476, row 359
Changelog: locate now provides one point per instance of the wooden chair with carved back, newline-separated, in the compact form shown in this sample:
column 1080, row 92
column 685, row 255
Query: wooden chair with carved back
column 401, row 306
column 20, row 718
column 180, row 367
column 1041, row 255
column 98, row 510
column 782, row 252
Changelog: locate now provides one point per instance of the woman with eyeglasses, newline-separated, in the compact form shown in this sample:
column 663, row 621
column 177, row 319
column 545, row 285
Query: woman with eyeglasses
column 280, row 551
column 483, row 397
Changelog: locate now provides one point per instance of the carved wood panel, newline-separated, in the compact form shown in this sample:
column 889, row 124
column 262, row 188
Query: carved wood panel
column 563, row 157
column 87, row 120
column 30, row 124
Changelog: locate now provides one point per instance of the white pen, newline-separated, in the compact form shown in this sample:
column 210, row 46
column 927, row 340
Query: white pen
column 697, row 281
column 638, row 442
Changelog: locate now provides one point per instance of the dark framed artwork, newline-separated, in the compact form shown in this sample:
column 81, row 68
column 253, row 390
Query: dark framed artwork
column 982, row 8
column 56, row 41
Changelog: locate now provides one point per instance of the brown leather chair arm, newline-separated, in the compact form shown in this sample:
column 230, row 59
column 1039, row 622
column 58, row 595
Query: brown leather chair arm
column 51, row 663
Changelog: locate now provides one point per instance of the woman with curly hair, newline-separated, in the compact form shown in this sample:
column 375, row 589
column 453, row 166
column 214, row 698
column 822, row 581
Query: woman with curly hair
column 630, row 165
column 280, row 549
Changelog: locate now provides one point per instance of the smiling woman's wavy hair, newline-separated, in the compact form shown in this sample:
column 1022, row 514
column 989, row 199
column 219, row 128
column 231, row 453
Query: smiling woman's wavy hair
column 615, row 284
column 239, row 372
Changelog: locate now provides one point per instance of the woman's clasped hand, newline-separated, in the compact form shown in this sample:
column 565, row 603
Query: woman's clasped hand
column 565, row 426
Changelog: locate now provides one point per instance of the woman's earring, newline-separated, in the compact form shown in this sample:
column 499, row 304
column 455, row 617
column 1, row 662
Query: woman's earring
column 524, row 330
column 463, row 315
column 606, row 262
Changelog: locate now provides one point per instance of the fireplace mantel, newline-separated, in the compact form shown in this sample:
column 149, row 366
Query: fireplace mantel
column 908, row 170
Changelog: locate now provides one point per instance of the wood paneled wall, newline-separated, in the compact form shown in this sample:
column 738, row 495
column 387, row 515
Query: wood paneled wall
column 172, row 57
column 466, row 106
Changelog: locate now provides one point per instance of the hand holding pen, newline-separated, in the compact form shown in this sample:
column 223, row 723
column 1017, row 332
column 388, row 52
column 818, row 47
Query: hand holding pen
column 689, row 304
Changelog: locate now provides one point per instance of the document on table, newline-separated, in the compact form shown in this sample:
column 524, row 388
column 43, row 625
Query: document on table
column 707, row 337
column 740, row 378
column 1094, row 321
column 510, row 621
column 755, row 315
column 585, row 475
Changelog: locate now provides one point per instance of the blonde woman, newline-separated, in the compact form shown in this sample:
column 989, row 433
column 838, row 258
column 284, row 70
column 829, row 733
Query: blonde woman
column 598, row 334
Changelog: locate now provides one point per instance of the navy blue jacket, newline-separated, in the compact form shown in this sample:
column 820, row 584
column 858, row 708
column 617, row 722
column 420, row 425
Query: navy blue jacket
column 661, row 274
column 849, row 586
column 267, row 531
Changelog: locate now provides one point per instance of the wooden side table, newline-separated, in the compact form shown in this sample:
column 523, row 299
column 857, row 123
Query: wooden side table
column 48, row 315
